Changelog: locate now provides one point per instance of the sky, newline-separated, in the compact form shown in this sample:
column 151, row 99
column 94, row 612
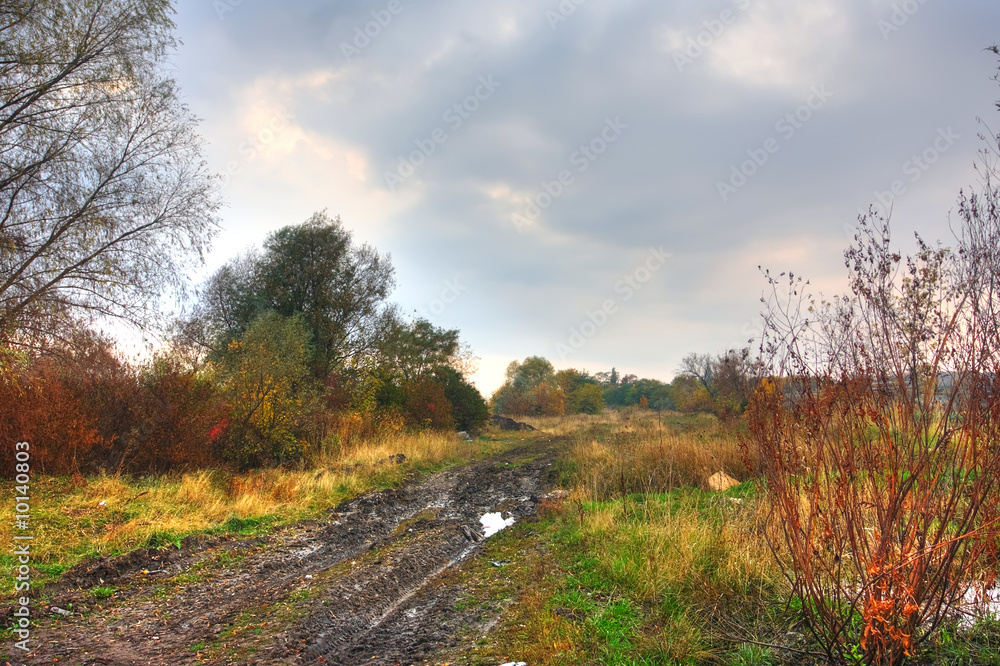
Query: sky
column 592, row 181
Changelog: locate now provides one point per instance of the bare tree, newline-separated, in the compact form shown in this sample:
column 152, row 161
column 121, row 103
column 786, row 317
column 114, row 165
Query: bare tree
column 700, row 366
column 877, row 433
column 104, row 197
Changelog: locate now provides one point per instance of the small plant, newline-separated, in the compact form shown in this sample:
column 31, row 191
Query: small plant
column 102, row 592
column 752, row 655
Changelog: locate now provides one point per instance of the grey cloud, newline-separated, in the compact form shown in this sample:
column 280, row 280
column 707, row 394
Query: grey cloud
column 656, row 185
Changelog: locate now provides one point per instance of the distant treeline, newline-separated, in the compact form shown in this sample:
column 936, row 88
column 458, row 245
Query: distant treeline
column 721, row 384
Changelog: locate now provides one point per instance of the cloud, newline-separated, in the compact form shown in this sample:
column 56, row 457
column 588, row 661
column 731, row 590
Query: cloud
column 784, row 46
column 352, row 119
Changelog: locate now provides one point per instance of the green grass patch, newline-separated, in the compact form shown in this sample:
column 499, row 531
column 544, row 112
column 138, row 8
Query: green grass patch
column 637, row 582
column 102, row 592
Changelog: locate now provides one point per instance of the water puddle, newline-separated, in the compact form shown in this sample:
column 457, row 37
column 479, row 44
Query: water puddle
column 494, row 522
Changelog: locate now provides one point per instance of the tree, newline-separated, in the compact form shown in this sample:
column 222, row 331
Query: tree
column 547, row 400
column 688, row 394
column 519, row 395
column 530, row 373
column 735, row 374
column 468, row 408
column 104, row 196
column 656, row 392
column 339, row 288
column 570, row 380
column 266, row 373
column 588, row 399
column 415, row 348
column 701, row 367
column 312, row 270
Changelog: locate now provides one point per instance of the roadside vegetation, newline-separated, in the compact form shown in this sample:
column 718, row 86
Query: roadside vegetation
column 640, row 562
column 79, row 518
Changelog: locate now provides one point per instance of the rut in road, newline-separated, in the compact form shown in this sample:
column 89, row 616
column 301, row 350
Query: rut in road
column 360, row 587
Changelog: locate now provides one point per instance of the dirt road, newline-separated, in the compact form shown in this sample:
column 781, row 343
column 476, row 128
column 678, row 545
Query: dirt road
column 363, row 586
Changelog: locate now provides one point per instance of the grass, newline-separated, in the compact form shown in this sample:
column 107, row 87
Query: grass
column 622, row 587
column 106, row 515
column 639, row 451
column 639, row 565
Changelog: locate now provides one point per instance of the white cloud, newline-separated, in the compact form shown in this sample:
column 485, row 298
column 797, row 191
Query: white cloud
column 788, row 46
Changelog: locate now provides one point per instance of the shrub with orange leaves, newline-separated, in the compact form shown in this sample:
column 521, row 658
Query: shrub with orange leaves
column 38, row 407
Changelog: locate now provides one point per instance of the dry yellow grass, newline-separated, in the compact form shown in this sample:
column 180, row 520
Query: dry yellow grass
column 573, row 424
column 107, row 514
column 642, row 549
column 706, row 546
column 640, row 452
column 668, row 534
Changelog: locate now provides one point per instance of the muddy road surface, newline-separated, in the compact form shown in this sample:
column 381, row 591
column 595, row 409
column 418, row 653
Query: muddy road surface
column 362, row 586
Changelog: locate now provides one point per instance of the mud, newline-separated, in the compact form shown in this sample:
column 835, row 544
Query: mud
column 364, row 586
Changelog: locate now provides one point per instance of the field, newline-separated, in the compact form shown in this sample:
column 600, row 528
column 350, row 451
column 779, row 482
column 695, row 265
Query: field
column 622, row 555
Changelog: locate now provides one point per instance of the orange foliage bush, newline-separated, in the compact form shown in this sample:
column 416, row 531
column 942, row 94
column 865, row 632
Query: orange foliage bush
column 87, row 410
column 426, row 405
column 36, row 406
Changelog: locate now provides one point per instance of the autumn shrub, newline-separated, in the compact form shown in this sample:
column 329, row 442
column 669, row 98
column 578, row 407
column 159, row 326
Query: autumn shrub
column 38, row 406
column 877, row 437
column 181, row 416
column 426, row 405
column 266, row 378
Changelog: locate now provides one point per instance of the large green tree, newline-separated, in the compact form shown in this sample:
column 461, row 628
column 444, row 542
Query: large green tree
column 411, row 349
column 469, row 410
column 530, row 373
column 104, row 196
column 313, row 270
